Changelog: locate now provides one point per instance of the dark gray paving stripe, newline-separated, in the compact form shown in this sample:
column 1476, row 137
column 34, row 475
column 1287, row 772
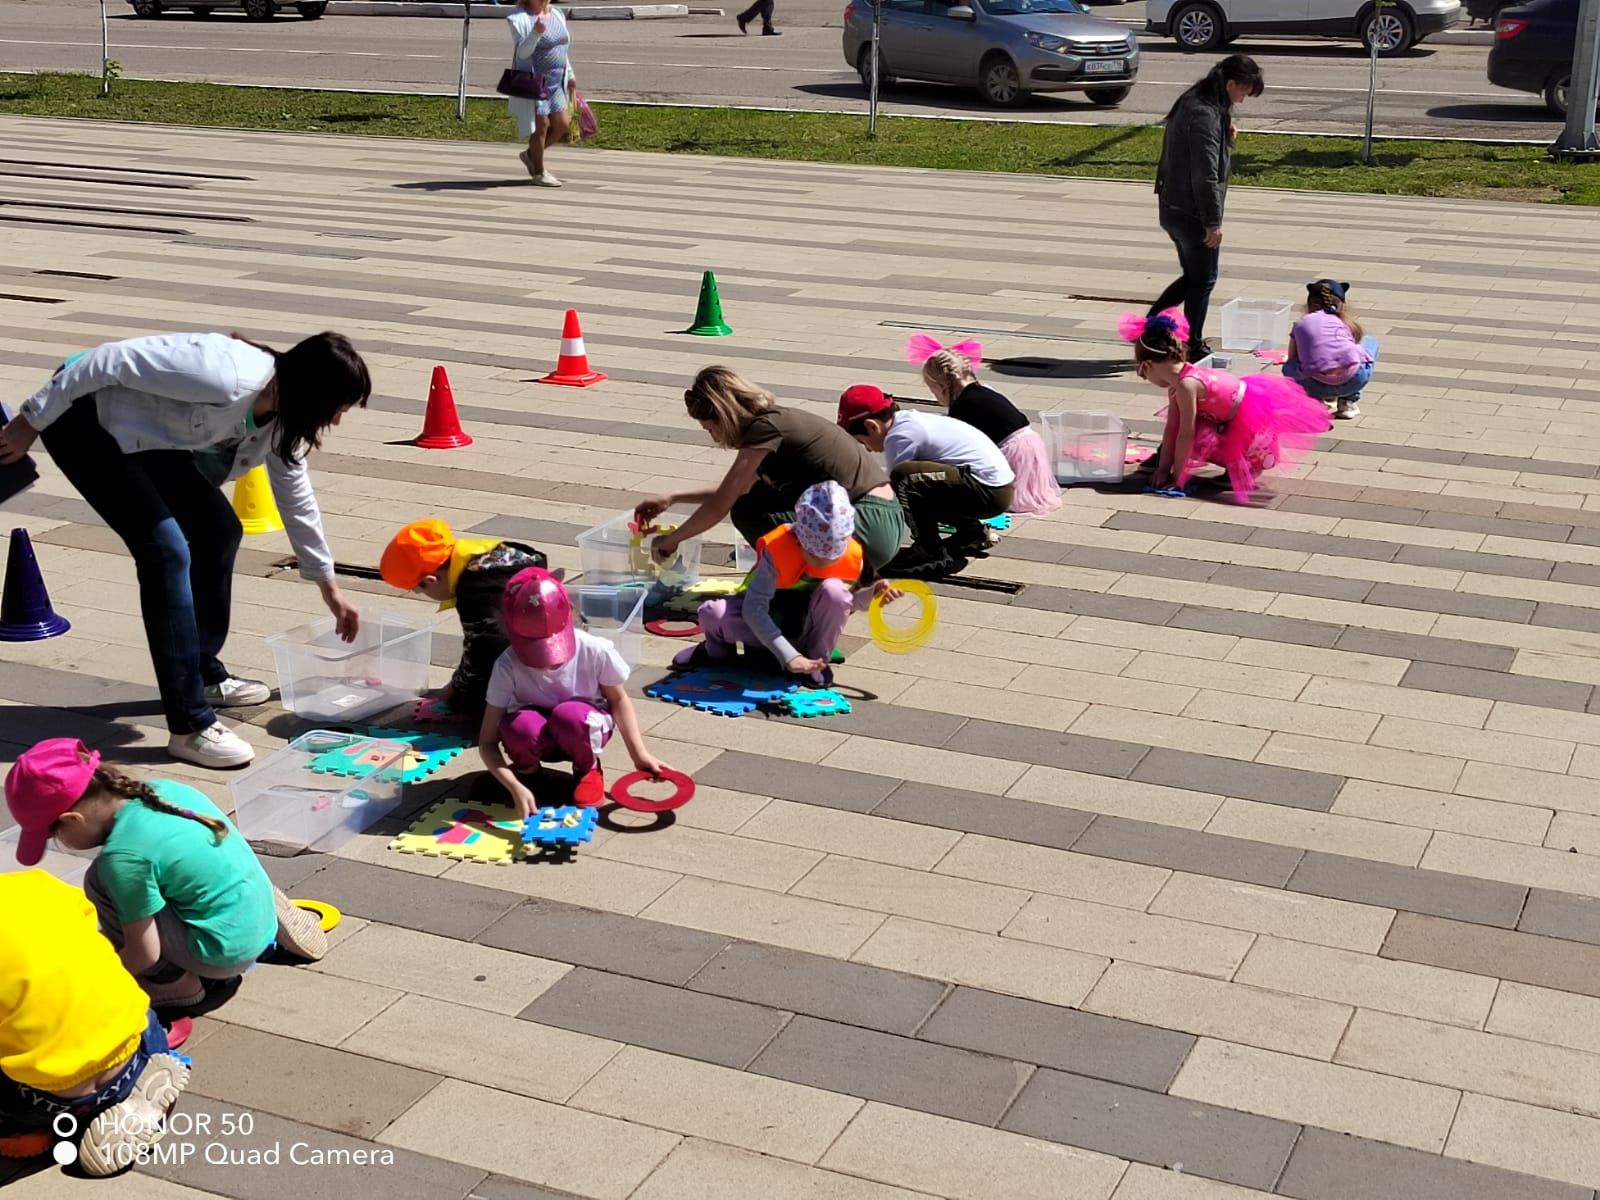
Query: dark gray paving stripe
column 1189, row 850
column 1496, row 683
column 1498, row 953
column 1336, row 1166
column 1561, row 915
column 1411, row 889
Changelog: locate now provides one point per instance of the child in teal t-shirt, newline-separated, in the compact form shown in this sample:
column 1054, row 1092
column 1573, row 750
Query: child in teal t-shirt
column 179, row 892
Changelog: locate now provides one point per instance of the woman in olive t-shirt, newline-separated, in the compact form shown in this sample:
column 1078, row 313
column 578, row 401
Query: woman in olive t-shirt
column 782, row 451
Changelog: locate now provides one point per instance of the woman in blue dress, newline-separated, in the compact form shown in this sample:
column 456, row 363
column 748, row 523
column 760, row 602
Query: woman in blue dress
column 539, row 38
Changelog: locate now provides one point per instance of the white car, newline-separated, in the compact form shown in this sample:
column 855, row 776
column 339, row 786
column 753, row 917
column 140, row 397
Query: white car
column 1394, row 28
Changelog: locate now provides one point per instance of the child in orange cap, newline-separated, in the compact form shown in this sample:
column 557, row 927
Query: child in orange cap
column 469, row 575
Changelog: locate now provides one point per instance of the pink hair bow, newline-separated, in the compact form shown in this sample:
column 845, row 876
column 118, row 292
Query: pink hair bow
column 924, row 346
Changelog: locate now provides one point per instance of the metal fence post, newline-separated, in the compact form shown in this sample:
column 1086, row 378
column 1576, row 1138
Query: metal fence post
column 1583, row 91
column 461, row 84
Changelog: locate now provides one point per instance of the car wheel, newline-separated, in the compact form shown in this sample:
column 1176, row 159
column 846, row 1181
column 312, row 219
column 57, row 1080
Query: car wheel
column 1110, row 97
column 1556, row 89
column 1389, row 29
column 1197, row 27
column 311, row 11
column 260, row 10
column 147, row 8
column 864, row 69
column 1000, row 83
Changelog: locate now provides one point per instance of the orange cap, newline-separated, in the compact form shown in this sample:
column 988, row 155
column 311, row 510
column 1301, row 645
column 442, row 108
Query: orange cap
column 421, row 548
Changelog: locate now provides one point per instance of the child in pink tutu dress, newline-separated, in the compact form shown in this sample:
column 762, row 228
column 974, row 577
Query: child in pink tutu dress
column 1244, row 426
column 948, row 372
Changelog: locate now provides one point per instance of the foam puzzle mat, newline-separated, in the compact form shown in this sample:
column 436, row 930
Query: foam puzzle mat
column 425, row 754
column 486, row 833
column 728, row 693
column 563, row 828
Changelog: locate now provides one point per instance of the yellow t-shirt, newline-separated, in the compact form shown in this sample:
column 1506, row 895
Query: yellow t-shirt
column 68, row 1009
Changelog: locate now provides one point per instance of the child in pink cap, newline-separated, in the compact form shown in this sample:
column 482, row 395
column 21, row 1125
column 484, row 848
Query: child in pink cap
column 179, row 892
column 555, row 696
column 815, row 559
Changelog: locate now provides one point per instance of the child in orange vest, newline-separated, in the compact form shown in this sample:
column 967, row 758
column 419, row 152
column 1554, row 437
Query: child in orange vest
column 819, row 548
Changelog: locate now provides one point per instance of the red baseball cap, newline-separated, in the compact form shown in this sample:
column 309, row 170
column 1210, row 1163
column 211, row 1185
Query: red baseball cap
column 538, row 615
column 862, row 400
column 46, row 780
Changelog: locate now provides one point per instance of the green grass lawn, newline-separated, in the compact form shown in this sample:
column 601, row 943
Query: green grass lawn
column 1126, row 152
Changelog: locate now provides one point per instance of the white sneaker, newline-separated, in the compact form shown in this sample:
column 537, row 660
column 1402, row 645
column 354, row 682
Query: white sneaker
column 218, row 746
column 233, row 692
column 546, row 180
column 1347, row 410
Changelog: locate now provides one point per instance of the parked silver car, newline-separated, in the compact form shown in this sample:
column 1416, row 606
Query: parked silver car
column 1006, row 49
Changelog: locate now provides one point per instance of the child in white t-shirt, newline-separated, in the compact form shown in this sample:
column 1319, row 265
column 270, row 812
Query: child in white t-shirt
column 555, row 696
column 944, row 471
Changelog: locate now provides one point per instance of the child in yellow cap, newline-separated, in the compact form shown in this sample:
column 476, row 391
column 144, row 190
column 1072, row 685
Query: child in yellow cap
column 469, row 575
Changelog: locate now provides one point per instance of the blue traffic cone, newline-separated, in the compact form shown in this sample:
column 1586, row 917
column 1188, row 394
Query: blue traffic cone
column 25, row 612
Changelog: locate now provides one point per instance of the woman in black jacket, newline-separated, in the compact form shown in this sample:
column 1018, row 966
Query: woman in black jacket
column 1192, row 183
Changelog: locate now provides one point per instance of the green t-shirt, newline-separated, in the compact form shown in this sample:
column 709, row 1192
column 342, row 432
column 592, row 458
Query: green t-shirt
column 220, row 892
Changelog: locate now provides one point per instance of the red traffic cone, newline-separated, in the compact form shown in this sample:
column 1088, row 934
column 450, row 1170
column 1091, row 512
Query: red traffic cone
column 573, row 368
column 25, row 612
column 441, row 427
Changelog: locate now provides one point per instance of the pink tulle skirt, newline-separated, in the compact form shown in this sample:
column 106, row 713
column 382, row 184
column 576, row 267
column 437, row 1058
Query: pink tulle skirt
column 1277, row 423
column 1036, row 491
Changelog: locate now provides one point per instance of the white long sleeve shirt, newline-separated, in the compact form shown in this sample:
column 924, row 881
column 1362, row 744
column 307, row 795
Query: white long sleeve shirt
column 191, row 391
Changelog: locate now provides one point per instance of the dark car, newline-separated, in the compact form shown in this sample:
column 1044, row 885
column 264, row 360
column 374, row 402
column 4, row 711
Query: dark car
column 1532, row 50
column 256, row 10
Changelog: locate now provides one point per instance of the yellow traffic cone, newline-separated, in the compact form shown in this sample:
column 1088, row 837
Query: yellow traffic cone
column 253, row 503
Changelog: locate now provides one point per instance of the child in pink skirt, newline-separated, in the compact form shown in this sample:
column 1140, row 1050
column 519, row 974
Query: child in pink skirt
column 817, row 551
column 950, row 374
column 555, row 695
column 1244, row 426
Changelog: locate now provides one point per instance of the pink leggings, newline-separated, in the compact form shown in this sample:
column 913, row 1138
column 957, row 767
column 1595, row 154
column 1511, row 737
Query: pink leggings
column 573, row 731
column 831, row 601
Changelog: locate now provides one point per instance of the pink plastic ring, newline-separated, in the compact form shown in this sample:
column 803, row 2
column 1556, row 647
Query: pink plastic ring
column 673, row 629
column 621, row 793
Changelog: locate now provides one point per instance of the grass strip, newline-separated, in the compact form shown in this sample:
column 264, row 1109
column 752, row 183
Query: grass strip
column 1411, row 168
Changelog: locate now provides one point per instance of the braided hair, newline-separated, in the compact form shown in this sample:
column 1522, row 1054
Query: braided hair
column 110, row 780
column 946, row 372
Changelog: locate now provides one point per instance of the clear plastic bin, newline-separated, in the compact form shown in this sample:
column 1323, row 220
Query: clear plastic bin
column 616, row 613
column 612, row 554
column 1255, row 325
column 1086, row 447
column 324, row 679
column 69, row 866
column 744, row 557
column 283, row 807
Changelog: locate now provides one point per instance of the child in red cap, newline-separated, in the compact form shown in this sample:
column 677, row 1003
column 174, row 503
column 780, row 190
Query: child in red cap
column 179, row 892
column 470, row 576
column 555, row 695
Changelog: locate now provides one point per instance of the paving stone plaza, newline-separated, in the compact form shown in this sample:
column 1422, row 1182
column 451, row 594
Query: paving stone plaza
column 1242, row 852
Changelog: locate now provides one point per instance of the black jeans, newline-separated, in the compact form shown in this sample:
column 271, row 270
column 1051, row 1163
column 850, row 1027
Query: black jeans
column 1198, row 262
column 933, row 493
column 183, row 536
column 762, row 9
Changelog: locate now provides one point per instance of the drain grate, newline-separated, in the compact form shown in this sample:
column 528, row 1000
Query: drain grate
column 348, row 570
column 31, row 299
column 77, row 275
column 978, row 583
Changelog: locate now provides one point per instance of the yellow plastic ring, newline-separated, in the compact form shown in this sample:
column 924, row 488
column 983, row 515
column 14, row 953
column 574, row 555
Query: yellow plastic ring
column 892, row 640
column 327, row 914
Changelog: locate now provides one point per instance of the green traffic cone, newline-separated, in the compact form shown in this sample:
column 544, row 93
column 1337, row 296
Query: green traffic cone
column 708, row 320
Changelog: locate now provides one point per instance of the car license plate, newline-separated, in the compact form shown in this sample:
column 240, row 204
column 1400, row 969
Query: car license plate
column 1105, row 66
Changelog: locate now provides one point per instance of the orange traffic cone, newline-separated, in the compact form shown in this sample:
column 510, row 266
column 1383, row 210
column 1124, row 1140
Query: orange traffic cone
column 441, row 426
column 572, row 370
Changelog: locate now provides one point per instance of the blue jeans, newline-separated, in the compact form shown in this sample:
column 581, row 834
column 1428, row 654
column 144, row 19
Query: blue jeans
column 1350, row 389
column 24, row 1109
column 1199, row 264
column 183, row 536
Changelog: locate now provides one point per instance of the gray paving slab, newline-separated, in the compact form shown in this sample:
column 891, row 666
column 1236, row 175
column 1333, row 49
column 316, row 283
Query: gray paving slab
column 1190, row 850
column 1498, row 953
column 1496, row 684
column 1419, row 648
column 993, row 816
column 1291, row 630
column 440, row 906
column 1387, row 885
column 1069, row 751
column 1337, row 1166
column 1561, row 915
column 1461, row 604
column 831, row 787
column 1268, row 784
column 605, row 941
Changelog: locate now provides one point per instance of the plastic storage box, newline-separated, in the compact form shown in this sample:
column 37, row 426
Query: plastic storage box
column 612, row 554
column 744, row 557
column 616, row 613
column 1255, row 325
column 1086, row 447
column 324, row 679
column 284, row 807
column 69, row 866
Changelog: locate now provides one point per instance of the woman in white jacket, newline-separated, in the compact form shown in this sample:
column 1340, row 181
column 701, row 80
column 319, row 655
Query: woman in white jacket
column 539, row 47
column 148, row 430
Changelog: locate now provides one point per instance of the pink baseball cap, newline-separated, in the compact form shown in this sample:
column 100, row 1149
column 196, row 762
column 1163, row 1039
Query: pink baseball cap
column 46, row 780
column 538, row 616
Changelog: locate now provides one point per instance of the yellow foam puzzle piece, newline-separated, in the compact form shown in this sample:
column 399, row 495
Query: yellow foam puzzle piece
column 498, row 843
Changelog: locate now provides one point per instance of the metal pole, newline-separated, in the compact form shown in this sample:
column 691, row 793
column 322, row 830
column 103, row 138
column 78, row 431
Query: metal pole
column 1372, row 95
column 461, row 84
column 105, row 53
column 877, row 41
column 1583, row 92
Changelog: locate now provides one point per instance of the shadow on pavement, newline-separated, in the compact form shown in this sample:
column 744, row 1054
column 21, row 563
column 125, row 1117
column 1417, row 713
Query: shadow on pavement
column 1351, row 49
column 459, row 185
column 1531, row 113
column 1039, row 367
column 946, row 97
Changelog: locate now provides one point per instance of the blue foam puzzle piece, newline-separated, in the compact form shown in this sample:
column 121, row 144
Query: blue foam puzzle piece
column 1000, row 524
column 1174, row 493
column 727, row 693
column 816, row 702
column 568, row 825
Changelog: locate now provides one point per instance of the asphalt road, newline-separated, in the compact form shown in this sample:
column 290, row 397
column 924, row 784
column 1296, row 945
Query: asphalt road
column 1436, row 90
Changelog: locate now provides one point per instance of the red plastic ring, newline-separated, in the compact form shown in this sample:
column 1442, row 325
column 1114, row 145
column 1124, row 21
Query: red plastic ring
column 622, row 795
column 666, row 627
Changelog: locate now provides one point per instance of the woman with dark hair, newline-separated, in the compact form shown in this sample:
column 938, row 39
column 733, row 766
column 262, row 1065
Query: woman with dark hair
column 1192, row 183
column 148, row 430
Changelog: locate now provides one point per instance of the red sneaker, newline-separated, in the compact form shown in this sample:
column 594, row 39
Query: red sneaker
column 591, row 790
column 26, row 1145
